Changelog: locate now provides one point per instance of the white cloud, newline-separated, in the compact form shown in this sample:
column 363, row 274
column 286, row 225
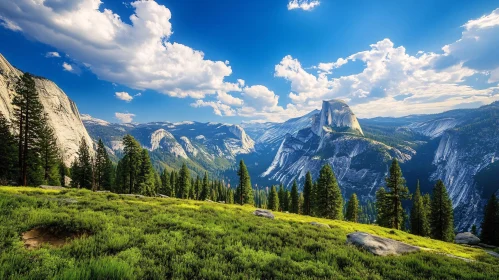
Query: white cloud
column 124, row 117
column 52, row 54
column 219, row 108
column 123, row 95
column 138, row 94
column 305, row 5
column 139, row 55
column 72, row 68
column 229, row 99
column 406, row 84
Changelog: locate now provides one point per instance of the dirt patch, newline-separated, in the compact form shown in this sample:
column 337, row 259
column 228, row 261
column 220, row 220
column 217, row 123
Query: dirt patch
column 55, row 237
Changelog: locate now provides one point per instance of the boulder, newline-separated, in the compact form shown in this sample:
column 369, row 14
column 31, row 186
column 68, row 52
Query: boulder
column 52, row 187
column 378, row 245
column 467, row 238
column 163, row 196
column 264, row 213
column 320, row 225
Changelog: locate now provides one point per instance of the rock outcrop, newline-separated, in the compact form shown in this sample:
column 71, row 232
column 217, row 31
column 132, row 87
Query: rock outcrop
column 63, row 115
column 378, row 245
column 264, row 213
column 336, row 115
column 466, row 238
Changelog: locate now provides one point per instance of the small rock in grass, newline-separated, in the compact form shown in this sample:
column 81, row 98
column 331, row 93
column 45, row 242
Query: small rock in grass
column 320, row 225
column 467, row 238
column 264, row 213
column 378, row 245
column 45, row 187
column 163, row 196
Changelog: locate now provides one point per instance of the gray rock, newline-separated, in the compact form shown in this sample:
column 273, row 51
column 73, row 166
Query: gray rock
column 52, row 187
column 378, row 245
column 264, row 213
column 320, row 225
column 486, row 246
column 163, row 196
column 467, row 238
column 492, row 253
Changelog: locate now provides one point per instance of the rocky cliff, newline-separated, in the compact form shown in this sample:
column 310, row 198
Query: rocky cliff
column 63, row 115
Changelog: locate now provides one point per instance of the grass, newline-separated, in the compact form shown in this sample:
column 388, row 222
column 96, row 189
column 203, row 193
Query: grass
column 156, row 238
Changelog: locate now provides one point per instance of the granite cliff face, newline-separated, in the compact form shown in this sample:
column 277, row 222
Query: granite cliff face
column 63, row 115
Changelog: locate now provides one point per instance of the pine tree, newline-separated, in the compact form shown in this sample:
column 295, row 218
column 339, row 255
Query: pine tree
column 300, row 204
column 273, row 199
column 81, row 170
column 287, row 200
column 397, row 191
column 294, row 198
column 131, row 163
column 307, row 194
column 330, row 200
column 352, row 214
column 146, row 179
column 63, row 172
column 205, row 188
column 102, row 168
column 49, row 153
column 246, row 192
column 184, row 182
column 490, row 223
column 198, row 188
column 8, row 151
column 382, row 218
column 281, row 194
column 442, row 216
column 419, row 218
column 27, row 112
column 173, row 184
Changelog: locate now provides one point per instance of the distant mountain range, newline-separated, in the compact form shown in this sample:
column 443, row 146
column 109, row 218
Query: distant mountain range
column 461, row 147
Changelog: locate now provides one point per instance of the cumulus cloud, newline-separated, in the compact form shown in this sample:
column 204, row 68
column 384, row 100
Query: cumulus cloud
column 219, row 108
column 407, row 84
column 52, row 54
column 72, row 68
column 124, row 117
column 305, row 5
column 139, row 55
column 123, row 95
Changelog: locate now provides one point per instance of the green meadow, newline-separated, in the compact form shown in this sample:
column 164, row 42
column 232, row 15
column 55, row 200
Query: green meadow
column 129, row 237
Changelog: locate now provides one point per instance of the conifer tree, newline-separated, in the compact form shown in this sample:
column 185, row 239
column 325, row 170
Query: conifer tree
column 352, row 213
column 382, row 218
column 184, row 182
column 49, row 153
column 419, row 218
column 103, row 166
column 205, row 188
column 294, row 198
column 173, row 184
column 273, row 199
column 246, row 192
column 198, row 188
column 131, row 163
column 27, row 112
column 8, row 151
column 397, row 191
column 165, row 183
column 490, row 223
column 146, row 179
column 281, row 195
column 442, row 216
column 330, row 200
column 82, row 172
column 307, row 194
column 63, row 172
column 300, row 204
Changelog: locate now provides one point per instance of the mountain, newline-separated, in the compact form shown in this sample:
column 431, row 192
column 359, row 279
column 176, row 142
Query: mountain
column 211, row 147
column 63, row 115
column 334, row 136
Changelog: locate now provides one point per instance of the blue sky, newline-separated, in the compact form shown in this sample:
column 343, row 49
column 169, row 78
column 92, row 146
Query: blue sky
column 233, row 61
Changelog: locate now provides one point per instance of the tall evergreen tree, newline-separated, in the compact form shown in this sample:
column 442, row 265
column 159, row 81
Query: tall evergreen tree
column 173, row 184
column 294, row 198
column 397, row 191
column 103, row 167
column 63, row 172
column 131, row 163
column 246, row 192
column 184, row 182
column 419, row 218
column 281, row 195
column 300, row 204
column 146, row 179
column 330, row 200
column 8, row 151
column 82, row 172
column 205, row 192
column 382, row 217
column 442, row 215
column 273, row 199
column 27, row 112
column 307, row 194
column 49, row 153
column 490, row 223
column 165, row 183
column 352, row 214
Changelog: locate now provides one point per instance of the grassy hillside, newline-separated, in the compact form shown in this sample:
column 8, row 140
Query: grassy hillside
column 128, row 237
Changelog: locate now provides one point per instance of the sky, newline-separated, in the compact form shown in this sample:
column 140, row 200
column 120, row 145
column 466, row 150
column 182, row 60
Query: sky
column 237, row 61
